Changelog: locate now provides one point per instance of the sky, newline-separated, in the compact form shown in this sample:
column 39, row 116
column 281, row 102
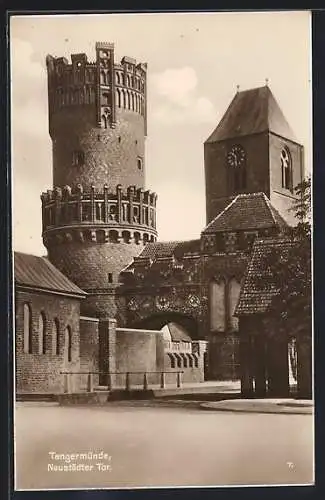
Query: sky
column 195, row 62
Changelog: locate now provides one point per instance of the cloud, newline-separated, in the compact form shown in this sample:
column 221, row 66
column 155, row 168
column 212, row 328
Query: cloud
column 177, row 85
column 176, row 98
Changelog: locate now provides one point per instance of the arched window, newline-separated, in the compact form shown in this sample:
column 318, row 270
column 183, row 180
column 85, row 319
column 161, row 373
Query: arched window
column 127, row 100
column 172, row 360
column 56, row 337
column 233, row 296
column 28, row 332
column 286, row 168
column 118, row 98
column 104, row 121
column 42, row 333
column 117, row 78
column 217, row 306
column 68, row 344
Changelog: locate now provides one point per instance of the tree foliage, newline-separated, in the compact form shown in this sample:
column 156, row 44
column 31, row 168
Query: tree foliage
column 288, row 271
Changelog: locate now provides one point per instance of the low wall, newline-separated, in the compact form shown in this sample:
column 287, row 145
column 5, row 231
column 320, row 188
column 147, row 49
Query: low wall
column 89, row 348
column 139, row 351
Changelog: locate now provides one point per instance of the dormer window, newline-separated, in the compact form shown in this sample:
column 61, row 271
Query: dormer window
column 78, row 158
column 286, row 169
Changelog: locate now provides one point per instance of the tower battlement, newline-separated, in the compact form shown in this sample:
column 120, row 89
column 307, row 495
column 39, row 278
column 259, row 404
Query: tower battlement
column 103, row 84
column 133, row 208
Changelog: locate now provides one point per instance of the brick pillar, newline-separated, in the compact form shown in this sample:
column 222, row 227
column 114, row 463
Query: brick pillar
column 107, row 349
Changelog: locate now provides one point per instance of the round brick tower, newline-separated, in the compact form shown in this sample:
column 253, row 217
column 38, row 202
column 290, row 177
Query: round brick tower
column 98, row 215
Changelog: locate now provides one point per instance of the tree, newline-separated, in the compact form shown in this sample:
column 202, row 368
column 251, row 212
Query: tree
column 288, row 270
column 285, row 276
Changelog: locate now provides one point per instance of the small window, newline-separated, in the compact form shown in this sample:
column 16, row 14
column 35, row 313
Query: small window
column 78, row 158
column 110, row 277
column 140, row 163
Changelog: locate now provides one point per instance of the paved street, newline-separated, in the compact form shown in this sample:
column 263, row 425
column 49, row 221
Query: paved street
column 159, row 446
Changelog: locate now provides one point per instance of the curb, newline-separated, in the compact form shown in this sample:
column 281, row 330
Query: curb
column 276, row 410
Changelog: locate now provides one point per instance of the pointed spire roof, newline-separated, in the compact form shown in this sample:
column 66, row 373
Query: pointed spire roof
column 250, row 112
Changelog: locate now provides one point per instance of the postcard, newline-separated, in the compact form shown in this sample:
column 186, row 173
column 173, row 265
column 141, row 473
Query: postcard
column 161, row 168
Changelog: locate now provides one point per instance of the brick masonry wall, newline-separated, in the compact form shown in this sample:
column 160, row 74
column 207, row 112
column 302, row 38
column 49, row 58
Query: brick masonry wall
column 41, row 372
column 110, row 154
column 89, row 346
column 88, row 264
column 217, row 172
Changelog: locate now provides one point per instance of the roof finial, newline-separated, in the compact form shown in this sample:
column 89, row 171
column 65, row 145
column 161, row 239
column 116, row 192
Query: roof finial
column 238, row 87
column 266, row 82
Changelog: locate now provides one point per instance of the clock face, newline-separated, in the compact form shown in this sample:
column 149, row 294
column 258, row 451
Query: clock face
column 236, row 156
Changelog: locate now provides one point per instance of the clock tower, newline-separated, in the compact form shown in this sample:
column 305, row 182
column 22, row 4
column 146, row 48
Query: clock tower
column 252, row 149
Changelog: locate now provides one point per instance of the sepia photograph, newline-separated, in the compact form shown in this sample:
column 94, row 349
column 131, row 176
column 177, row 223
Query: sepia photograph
column 161, row 169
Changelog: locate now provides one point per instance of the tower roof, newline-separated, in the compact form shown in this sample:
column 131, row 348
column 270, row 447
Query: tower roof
column 251, row 112
column 246, row 212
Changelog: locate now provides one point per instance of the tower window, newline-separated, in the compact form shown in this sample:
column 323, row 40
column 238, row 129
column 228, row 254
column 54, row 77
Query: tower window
column 286, row 169
column 110, row 277
column 78, row 158
column 140, row 163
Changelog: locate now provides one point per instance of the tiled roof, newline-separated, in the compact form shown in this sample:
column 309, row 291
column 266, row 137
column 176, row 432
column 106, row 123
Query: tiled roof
column 257, row 293
column 37, row 272
column 219, row 204
column 250, row 112
column 170, row 248
column 246, row 212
